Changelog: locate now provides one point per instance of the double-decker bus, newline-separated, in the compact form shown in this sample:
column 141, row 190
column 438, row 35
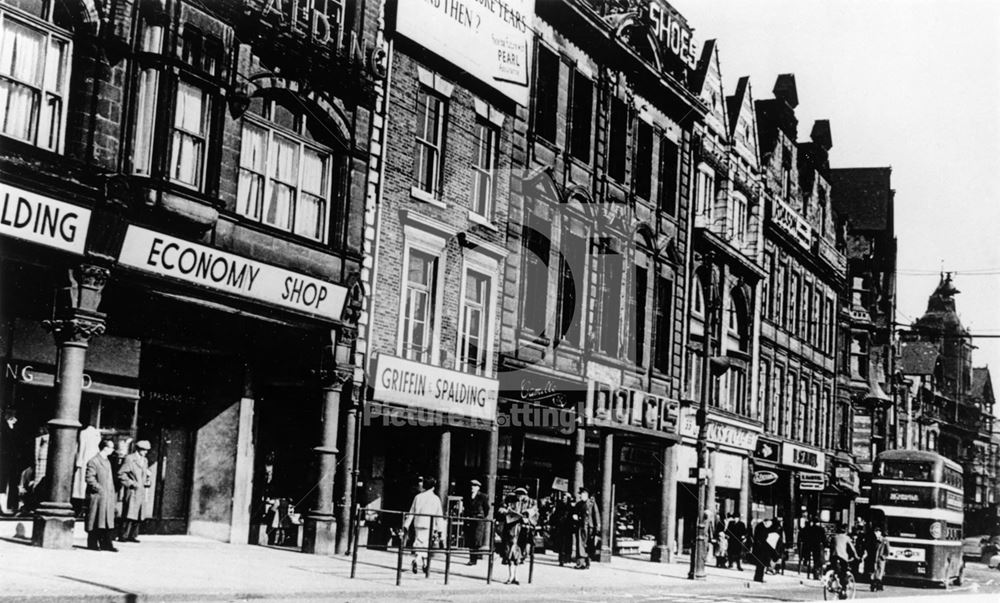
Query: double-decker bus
column 917, row 498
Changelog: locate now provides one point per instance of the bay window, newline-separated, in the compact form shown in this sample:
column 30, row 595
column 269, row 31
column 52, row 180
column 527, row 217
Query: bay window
column 34, row 75
column 285, row 174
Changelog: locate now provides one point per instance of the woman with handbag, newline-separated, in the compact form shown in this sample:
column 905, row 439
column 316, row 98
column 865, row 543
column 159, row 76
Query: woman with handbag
column 518, row 518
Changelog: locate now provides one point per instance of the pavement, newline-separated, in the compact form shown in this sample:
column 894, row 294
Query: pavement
column 187, row 568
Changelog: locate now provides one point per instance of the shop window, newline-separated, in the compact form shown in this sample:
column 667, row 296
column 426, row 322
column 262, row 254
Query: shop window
column 535, row 273
column 546, row 93
column 581, row 117
column 643, row 171
column 612, row 266
column 636, row 348
column 704, row 194
column 662, row 328
column 419, row 302
column 618, row 139
column 34, row 75
column 429, row 141
column 669, row 156
column 572, row 281
column 475, row 329
column 484, row 165
column 284, row 176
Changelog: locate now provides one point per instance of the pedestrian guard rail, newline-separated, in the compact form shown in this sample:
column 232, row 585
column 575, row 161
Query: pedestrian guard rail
column 445, row 540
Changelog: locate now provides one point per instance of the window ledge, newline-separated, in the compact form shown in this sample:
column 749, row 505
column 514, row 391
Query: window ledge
column 422, row 195
column 482, row 221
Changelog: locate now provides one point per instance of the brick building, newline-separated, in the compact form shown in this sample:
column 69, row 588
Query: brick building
column 806, row 417
column 183, row 201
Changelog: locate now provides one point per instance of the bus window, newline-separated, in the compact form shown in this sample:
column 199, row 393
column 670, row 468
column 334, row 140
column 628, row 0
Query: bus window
column 952, row 478
column 907, row 470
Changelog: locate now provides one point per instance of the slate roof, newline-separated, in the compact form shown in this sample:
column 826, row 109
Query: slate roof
column 918, row 357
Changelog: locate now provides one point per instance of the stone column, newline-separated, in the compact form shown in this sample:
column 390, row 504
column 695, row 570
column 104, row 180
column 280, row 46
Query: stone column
column 76, row 320
column 743, row 505
column 663, row 552
column 607, row 500
column 348, row 474
column 579, row 453
column 444, row 467
column 319, row 528
column 710, row 497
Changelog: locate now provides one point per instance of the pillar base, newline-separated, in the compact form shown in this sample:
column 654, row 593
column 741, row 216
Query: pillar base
column 661, row 553
column 605, row 554
column 51, row 532
column 319, row 535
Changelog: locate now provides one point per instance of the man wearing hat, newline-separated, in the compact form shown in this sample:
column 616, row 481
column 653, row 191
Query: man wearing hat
column 477, row 506
column 135, row 478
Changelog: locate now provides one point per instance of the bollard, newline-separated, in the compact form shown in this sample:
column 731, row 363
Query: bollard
column 531, row 561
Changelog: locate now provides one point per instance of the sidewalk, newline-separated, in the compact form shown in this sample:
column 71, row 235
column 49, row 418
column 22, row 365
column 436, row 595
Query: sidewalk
column 189, row 568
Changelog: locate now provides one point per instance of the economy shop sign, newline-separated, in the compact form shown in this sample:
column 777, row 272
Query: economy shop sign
column 168, row 256
column 432, row 388
column 39, row 219
column 490, row 39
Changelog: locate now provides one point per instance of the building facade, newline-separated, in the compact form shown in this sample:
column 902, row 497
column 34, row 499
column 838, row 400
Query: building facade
column 806, row 417
column 182, row 242
column 864, row 201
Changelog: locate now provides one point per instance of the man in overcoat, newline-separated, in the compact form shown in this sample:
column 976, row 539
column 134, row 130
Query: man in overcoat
column 587, row 519
column 101, row 499
column 135, row 478
column 763, row 550
column 476, row 532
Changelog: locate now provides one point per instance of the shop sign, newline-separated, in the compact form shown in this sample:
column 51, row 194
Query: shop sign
column 792, row 223
column 794, row 455
column 764, row 478
column 200, row 265
column 766, row 450
column 725, row 469
column 26, row 373
column 43, row 220
column 490, row 39
column 847, row 478
column 672, row 33
column 718, row 432
column 531, row 387
column 626, row 408
column 812, row 481
column 433, row 388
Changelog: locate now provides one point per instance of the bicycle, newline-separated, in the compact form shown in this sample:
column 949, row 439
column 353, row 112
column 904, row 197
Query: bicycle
column 832, row 585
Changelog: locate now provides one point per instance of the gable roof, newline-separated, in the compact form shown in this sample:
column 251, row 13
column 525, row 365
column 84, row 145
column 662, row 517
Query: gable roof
column 918, row 357
column 707, row 84
column 743, row 121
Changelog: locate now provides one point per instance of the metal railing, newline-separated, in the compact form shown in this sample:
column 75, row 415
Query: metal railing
column 446, row 545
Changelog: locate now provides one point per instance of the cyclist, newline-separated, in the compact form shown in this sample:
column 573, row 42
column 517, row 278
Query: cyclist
column 842, row 554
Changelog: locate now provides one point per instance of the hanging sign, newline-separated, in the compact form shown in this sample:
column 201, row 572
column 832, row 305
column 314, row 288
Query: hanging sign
column 764, row 478
column 168, row 256
column 794, row 455
column 43, row 220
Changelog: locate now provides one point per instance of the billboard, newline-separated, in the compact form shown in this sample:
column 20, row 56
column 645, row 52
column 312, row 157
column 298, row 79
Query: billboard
column 490, row 39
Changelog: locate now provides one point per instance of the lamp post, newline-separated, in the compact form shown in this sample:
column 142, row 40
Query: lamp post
column 708, row 278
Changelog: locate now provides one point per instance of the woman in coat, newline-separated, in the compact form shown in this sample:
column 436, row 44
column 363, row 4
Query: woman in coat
column 101, row 499
column 135, row 477
column 518, row 518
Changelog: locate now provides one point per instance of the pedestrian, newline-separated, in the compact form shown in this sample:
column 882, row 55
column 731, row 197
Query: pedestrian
column 762, row 550
column 518, row 518
column 721, row 548
column 859, row 537
column 877, row 552
column 477, row 506
column 135, row 478
column 424, row 511
column 737, row 534
column 587, row 528
column 777, row 539
column 560, row 526
column 812, row 537
column 101, row 499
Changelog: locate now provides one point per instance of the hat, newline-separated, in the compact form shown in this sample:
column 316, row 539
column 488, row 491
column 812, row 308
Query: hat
column 142, row 445
column 520, row 490
column 475, row 482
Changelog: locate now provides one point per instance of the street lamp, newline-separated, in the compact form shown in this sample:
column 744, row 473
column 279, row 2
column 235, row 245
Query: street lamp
column 711, row 366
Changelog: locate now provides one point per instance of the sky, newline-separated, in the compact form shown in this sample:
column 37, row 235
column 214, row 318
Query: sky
column 909, row 84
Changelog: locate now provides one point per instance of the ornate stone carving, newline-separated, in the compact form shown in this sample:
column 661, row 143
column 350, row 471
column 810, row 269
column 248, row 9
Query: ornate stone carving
column 78, row 329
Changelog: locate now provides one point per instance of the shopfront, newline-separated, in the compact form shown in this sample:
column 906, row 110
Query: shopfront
column 422, row 420
column 808, row 465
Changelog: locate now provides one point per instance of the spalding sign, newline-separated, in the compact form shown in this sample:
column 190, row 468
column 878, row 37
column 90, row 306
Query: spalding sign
column 764, row 478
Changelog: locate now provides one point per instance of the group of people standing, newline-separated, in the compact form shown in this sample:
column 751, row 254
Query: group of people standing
column 730, row 534
column 574, row 526
column 111, row 478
